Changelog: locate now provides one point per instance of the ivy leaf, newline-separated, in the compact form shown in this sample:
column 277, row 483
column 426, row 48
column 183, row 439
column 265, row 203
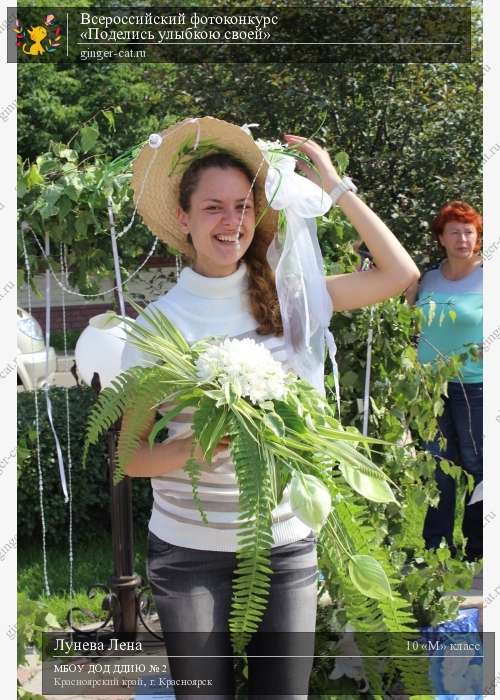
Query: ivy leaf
column 81, row 226
column 342, row 160
column 88, row 138
column 65, row 206
column 47, row 209
column 110, row 117
column 443, row 553
column 46, row 163
column 34, row 177
column 52, row 193
column 369, row 577
column 21, row 185
column 51, row 621
column 437, row 407
column 69, row 154
column 376, row 490
column 73, row 192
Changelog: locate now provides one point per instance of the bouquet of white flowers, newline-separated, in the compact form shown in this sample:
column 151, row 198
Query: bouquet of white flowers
column 283, row 432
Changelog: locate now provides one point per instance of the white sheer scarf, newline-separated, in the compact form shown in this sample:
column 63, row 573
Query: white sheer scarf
column 295, row 257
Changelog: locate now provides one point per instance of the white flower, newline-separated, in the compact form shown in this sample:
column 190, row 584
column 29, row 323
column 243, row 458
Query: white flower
column 269, row 145
column 244, row 366
column 273, row 152
column 348, row 661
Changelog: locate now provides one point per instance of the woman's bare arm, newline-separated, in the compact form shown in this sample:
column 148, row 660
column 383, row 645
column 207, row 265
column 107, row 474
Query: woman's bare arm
column 411, row 293
column 163, row 457
column 394, row 269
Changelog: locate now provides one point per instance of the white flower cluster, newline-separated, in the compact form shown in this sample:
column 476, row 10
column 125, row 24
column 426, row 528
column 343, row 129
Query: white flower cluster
column 273, row 151
column 246, row 367
column 264, row 145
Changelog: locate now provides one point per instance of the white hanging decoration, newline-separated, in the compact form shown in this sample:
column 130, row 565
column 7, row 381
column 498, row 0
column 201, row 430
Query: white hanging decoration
column 64, row 279
column 38, row 446
column 100, row 347
column 306, row 307
column 155, row 140
column 48, row 402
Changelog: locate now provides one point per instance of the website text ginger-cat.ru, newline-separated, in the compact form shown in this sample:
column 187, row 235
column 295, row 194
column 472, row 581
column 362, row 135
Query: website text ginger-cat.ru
column 109, row 54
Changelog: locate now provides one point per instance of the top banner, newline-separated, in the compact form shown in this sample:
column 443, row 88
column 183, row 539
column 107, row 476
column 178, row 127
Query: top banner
column 239, row 35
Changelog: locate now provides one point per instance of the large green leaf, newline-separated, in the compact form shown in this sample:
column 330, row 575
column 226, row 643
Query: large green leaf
column 88, row 138
column 376, row 490
column 369, row 577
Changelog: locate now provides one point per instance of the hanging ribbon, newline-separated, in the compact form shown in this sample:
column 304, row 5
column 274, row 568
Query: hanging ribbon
column 305, row 304
column 366, row 399
column 48, row 402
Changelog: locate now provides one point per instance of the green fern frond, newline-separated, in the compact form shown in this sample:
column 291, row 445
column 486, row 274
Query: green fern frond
column 252, row 574
column 110, row 405
column 193, row 469
column 149, row 392
column 369, row 616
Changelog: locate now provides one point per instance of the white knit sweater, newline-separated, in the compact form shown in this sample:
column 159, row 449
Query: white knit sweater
column 209, row 306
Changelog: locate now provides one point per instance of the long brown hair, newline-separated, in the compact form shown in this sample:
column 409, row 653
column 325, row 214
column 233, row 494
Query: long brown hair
column 261, row 285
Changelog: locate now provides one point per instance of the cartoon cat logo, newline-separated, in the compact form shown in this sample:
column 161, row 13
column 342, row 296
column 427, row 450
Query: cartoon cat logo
column 50, row 34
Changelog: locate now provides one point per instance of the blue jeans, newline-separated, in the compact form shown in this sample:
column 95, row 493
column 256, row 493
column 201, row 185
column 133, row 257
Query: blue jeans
column 192, row 590
column 462, row 426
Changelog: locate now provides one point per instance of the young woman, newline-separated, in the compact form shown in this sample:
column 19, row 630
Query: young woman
column 207, row 200
column 456, row 285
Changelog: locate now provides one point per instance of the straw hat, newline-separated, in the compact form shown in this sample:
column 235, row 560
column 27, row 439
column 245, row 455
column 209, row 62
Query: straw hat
column 160, row 165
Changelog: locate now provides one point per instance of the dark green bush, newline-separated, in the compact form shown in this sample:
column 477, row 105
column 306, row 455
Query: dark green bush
column 90, row 487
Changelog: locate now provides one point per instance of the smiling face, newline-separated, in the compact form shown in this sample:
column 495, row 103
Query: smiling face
column 459, row 239
column 221, row 220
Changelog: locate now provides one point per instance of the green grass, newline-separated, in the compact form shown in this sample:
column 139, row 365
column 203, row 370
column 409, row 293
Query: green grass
column 92, row 563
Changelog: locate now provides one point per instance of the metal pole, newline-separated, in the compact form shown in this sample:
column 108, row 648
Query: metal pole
column 124, row 581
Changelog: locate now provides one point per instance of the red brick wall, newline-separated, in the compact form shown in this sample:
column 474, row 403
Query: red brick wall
column 77, row 317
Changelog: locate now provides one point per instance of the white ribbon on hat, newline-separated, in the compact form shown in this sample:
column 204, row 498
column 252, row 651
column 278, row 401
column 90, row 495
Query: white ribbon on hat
column 295, row 257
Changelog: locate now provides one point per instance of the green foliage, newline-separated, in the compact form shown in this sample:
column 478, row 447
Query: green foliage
column 68, row 191
column 109, row 408
column 386, row 614
column 406, row 167
column 90, row 486
column 266, row 450
column 57, row 340
column 33, row 618
column 406, row 399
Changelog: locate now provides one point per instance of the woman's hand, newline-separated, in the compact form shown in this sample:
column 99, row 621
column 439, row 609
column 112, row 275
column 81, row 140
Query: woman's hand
column 223, row 445
column 328, row 176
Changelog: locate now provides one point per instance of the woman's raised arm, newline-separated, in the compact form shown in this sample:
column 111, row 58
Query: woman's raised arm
column 394, row 269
